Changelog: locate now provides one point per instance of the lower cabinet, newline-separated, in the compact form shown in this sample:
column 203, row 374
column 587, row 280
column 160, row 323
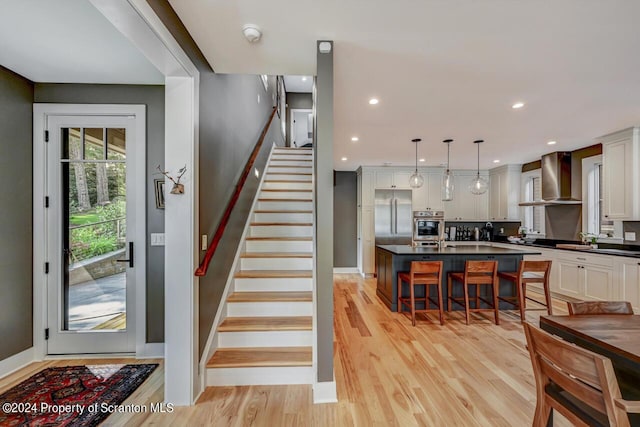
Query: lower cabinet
column 384, row 265
column 367, row 240
column 628, row 281
column 587, row 277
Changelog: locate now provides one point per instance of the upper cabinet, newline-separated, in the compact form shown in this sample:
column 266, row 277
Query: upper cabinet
column 504, row 193
column 393, row 179
column 465, row 205
column 621, row 175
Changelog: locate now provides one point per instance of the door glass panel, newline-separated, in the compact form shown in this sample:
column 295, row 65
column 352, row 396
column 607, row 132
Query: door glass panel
column 71, row 143
column 116, row 144
column 94, row 235
column 94, row 144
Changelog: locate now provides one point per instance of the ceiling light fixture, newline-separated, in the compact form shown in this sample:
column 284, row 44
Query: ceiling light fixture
column 447, row 178
column 551, row 143
column 344, row 159
column 416, row 180
column 517, row 105
column 479, row 185
column 373, row 101
column 252, row 33
column 496, row 161
column 355, row 139
column 304, row 78
column 423, row 160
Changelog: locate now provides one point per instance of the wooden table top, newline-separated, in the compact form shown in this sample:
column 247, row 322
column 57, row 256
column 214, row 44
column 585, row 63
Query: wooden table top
column 618, row 333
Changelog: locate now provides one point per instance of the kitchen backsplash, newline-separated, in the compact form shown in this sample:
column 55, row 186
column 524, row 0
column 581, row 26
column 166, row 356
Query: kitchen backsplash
column 509, row 228
column 631, row 227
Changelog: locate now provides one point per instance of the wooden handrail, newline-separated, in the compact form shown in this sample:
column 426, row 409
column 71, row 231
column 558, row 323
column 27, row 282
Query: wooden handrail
column 204, row 265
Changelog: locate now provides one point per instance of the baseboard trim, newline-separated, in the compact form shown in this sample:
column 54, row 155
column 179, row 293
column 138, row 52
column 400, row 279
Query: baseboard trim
column 16, row 362
column 325, row 392
column 345, row 270
column 154, row 350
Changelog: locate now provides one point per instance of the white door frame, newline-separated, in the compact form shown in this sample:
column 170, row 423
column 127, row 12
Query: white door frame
column 292, row 127
column 137, row 21
column 42, row 254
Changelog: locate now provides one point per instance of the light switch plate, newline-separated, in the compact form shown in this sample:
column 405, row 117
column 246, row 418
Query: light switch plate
column 157, row 239
column 629, row 235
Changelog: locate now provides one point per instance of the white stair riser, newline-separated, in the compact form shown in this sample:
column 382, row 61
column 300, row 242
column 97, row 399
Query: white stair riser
column 287, row 186
column 285, row 205
column 276, row 264
column 264, row 284
column 259, row 376
column 281, row 231
column 279, row 246
column 284, row 170
column 294, row 195
column 261, row 309
column 277, row 156
column 265, row 339
column 289, row 177
column 282, row 217
column 279, row 163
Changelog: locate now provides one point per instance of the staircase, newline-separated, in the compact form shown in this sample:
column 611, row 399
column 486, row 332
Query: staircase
column 266, row 336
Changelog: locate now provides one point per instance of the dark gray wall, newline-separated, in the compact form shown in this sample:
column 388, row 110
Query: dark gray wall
column 153, row 98
column 323, row 148
column 16, row 284
column 296, row 100
column 345, row 228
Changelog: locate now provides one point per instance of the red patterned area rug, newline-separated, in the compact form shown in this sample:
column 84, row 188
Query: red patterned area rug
column 72, row 396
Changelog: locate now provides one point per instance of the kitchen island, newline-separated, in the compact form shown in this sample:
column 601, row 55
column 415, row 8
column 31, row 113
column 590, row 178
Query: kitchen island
column 390, row 259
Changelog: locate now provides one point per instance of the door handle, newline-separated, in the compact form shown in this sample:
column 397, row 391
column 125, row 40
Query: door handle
column 395, row 202
column 130, row 260
column 391, row 217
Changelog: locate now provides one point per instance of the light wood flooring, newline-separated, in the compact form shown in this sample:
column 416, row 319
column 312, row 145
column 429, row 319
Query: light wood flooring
column 388, row 373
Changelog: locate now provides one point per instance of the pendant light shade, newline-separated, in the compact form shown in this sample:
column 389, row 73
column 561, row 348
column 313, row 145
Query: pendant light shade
column 416, row 180
column 447, row 178
column 479, row 185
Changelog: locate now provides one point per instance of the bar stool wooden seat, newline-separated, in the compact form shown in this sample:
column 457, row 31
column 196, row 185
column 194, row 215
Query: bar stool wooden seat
column 528, row 272
column 423, row 273
column 476, row 273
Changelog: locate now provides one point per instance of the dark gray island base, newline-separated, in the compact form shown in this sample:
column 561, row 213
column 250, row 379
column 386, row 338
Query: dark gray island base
column 390, row 259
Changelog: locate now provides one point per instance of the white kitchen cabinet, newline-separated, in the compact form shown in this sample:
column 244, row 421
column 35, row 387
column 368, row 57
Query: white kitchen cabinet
column 398, row 179
column 588, row 277
column 367, row 188
column 368, row 239
column 433, row 184
column 628, row 281
column 620, row 164
column 465, row 205
column 504, row 193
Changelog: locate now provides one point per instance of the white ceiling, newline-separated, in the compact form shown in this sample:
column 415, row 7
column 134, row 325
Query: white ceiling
column 444, row 69
column 300, row 84
column 68, row 41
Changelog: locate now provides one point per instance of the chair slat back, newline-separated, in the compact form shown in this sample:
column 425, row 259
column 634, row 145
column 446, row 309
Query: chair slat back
column 535, row 267
column 587, row 376
column 426, row 267
column 480, row 267
column 599, row 307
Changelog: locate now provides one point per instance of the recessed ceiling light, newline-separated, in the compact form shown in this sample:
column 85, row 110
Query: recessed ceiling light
column 517, row 105
column 422, row 160
column 373, row 101
column 344, row 159
column 355, row 138
column 387, row 163
column 551, row 143
column 496, row 161
column 304, row 79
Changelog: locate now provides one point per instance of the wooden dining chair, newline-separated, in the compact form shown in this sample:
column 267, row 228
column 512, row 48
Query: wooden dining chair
column 528, row 272
column 578, row 383
column 599, row 307
column 478, row 274
column 426, row 273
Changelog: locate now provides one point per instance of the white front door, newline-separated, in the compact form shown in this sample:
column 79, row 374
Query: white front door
column 301, row 127
column 92, row 237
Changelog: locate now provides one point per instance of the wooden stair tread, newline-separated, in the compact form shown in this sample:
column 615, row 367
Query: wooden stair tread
column 283, row 323
column 277, row 255
column 292, row 148
column 288, row 190
column 288, row 166
column 289, row 173
column 284, row 200
column 299, row 296
column 281, row 211
column 278, row 238
column 277, row 274
column 281, row 224
column 260, row 356
column 288, row 181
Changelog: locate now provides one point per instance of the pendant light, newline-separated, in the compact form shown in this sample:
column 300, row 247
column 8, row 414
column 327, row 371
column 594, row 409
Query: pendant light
column 447, row 178
column 479, row 185
column 416, row 180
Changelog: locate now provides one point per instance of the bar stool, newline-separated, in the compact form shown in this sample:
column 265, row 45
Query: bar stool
column 528, row 272
column 476, row 273
column 425, row 273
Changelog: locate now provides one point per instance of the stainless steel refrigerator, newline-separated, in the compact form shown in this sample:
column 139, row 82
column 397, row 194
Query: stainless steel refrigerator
column 393, row 217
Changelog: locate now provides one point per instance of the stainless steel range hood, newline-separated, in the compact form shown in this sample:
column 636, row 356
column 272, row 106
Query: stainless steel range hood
column 556, row 181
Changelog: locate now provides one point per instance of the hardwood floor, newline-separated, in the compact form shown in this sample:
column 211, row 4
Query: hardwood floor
column 388, row 373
